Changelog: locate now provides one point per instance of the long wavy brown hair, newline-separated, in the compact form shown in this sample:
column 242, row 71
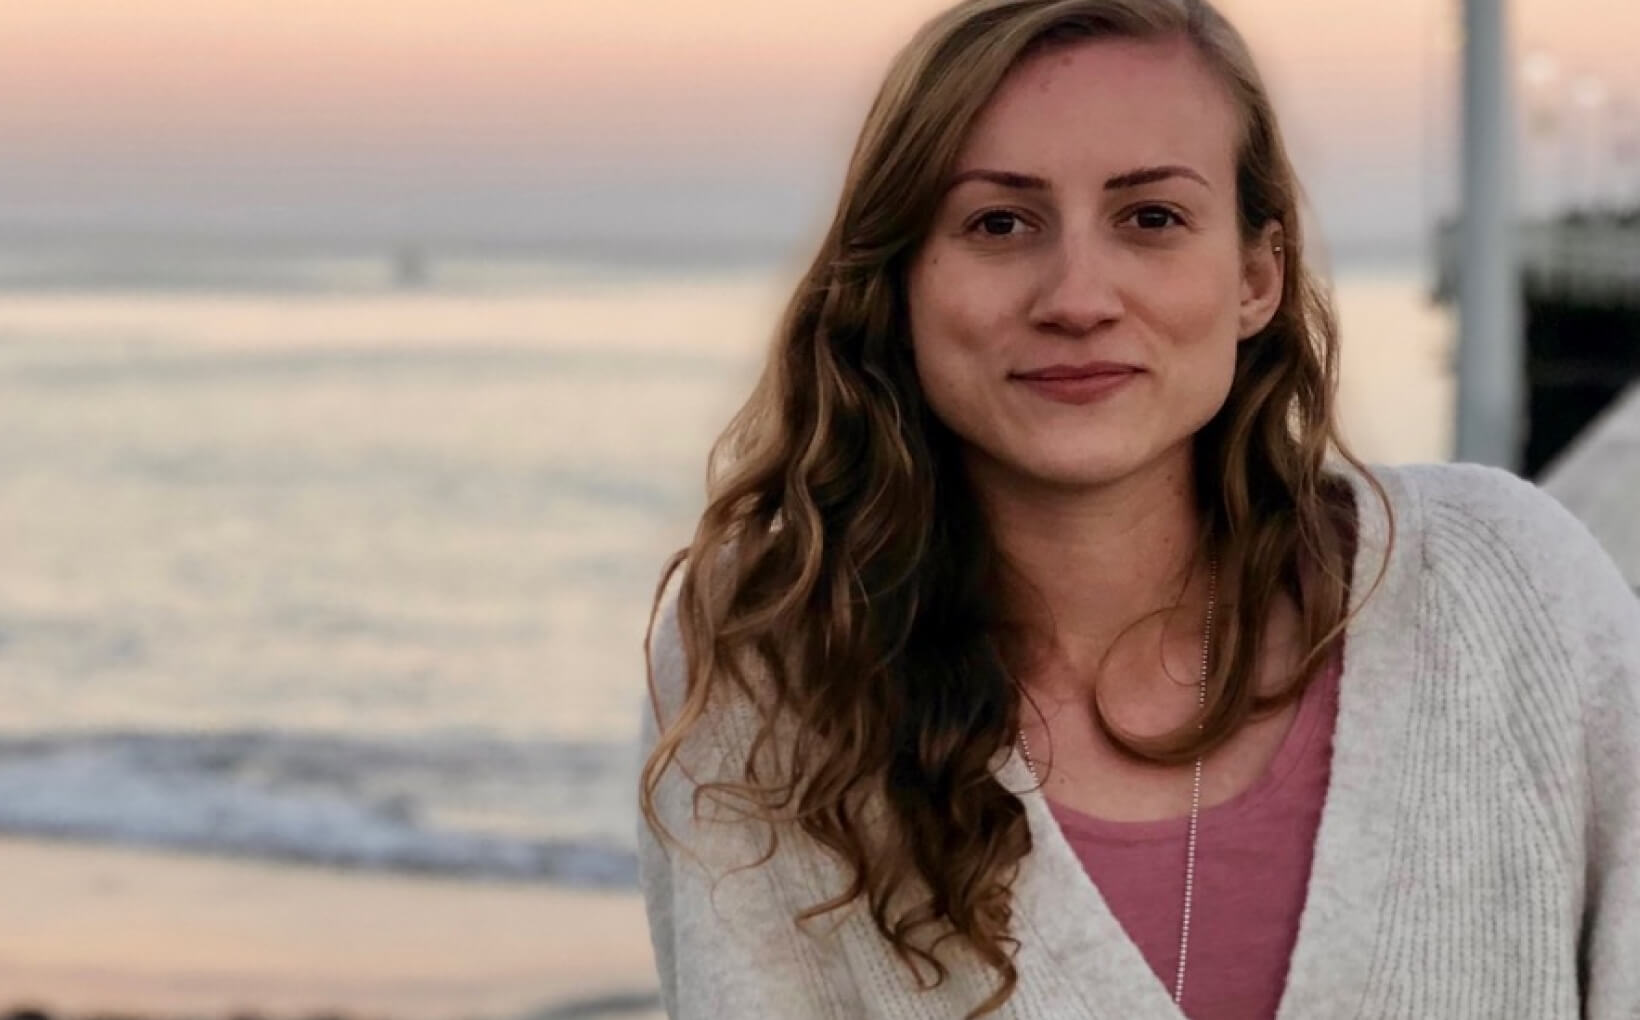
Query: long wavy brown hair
column 842, row 575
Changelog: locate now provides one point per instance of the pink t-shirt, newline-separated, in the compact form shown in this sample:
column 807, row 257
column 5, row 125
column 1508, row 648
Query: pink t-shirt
column 1252, row 869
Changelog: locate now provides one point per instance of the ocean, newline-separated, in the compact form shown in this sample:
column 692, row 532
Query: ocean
column 345, row 558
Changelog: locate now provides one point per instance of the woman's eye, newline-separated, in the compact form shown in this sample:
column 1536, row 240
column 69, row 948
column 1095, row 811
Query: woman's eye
column 1156, row 217
column 997, row 223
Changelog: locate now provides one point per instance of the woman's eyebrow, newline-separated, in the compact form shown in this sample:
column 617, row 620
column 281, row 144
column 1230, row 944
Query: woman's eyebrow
column 1152, row 174
column 1028, row 182
column 1004, row 178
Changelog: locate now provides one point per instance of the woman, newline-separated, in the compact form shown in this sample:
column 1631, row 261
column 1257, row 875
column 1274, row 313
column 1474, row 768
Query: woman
column 1033, row 659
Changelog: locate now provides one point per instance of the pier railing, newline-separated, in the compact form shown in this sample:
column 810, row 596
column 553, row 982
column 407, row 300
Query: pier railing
column 1589, row 259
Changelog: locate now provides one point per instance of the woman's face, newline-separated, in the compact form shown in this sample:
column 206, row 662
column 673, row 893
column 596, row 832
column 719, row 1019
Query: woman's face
column 1076, row 306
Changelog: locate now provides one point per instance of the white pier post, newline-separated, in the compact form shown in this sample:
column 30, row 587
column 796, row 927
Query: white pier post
column 1491, row 411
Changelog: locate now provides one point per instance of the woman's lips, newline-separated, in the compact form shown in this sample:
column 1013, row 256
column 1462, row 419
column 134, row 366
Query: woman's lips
column 1074, row 384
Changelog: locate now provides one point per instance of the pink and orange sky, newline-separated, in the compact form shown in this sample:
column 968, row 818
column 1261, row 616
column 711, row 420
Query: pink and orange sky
column 546, row 119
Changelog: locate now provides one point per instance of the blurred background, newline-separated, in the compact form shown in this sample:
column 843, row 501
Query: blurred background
column 358, row 364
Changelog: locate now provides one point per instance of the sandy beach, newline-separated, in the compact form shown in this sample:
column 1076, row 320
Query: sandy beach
column 153, row 932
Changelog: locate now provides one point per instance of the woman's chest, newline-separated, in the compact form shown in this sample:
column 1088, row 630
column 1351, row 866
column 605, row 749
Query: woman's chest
column 1084, row 771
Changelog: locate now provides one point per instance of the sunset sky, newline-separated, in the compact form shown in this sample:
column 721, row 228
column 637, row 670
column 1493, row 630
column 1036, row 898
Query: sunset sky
column 555, row 121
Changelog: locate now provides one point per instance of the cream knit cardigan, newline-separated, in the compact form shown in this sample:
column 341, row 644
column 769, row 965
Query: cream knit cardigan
column 1479, row 847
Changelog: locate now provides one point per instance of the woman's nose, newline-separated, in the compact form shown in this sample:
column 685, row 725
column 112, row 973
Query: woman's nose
column 1078, row 291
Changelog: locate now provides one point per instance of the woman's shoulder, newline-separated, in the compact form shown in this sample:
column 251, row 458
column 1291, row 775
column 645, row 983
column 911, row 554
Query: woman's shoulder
column 1473, row 515
column 1480, row 493
column 664, row 647
column 1500, row 541
column 728, row 715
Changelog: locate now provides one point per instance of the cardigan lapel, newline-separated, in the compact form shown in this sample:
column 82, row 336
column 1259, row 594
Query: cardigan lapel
column 1064, row 917
column 1331, row 963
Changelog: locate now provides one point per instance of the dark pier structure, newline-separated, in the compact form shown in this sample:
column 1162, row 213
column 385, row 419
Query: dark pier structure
column 1581, row 280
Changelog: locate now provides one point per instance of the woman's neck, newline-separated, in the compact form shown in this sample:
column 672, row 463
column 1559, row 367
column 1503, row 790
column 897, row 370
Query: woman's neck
column 1082, row 566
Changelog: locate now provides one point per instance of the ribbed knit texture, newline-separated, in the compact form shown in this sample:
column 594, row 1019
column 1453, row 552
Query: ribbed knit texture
column 1479, row 848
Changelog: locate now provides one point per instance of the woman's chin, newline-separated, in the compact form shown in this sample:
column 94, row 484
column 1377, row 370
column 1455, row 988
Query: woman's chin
column 1073, row 469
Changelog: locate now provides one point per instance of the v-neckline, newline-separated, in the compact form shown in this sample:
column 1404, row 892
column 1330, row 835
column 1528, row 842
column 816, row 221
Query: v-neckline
column 1062, row 913
column 1312, row 713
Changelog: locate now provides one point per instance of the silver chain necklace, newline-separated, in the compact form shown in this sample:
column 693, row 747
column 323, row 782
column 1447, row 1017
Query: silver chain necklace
column 1195, row 791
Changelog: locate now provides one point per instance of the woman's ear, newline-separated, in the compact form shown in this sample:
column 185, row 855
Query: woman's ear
column 1263, row 277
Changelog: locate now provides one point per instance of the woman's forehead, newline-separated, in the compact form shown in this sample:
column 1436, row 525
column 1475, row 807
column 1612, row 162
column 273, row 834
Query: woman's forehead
column 1101, row 107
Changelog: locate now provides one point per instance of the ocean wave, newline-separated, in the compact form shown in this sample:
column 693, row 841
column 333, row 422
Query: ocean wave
column 460, row 806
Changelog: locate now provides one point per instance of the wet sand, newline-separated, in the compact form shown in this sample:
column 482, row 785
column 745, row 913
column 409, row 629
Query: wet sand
column 151, row 932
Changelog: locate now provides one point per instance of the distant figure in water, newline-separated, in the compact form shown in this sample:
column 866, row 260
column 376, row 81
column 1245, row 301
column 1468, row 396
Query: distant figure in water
column 1042, row 653
column 409, row 267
